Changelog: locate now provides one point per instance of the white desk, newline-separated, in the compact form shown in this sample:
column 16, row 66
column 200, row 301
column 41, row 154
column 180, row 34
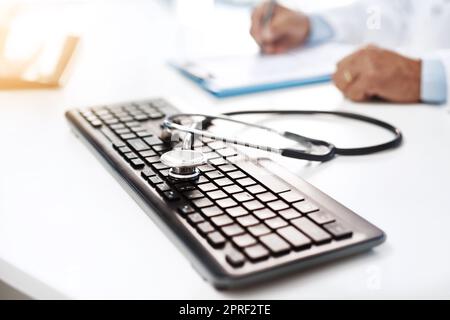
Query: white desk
column 68, row 230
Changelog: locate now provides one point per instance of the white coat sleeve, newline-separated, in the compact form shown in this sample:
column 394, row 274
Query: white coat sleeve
column 444, row 56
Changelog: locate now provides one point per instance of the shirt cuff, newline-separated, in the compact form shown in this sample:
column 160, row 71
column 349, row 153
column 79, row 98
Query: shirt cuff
column 320, row 30
column 433, row 87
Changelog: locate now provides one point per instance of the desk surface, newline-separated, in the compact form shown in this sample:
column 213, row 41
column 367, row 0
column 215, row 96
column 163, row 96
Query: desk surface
column 68, row 230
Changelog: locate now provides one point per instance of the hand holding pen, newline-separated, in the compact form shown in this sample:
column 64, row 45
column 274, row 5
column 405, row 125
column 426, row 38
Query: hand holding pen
column 277, row 29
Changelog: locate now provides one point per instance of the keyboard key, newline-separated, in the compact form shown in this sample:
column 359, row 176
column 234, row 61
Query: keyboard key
column 161, row 148
column 184, row 186
column 226, row 203
column 291, row 196
column 185, row 210
column 147, row 172
column 217, row 145
column 99, row 110
column 156, row 115
column 153, row 140
column 275, row 244
column 103, row 113
column 275, row 184
column 214, row 174
column 247, row 220
column 153, row 159
column 338, row 230
column 137, row 129
column 221, row 220
column 244, row 240
column 278, row 205
column 233, row 189
column 232, row 230
column 130, row 156
column 211, row 155
column 118, row 144
column 87, row 114
column 305, row 206
column 227, row 152
column 216, row 239
column 205, row 187
column 164, row 173
column 256, row 253
column 131, row 124
column 275, row 223
column 264, row 214
column 206, row 168
column 218, row 194
column 227, row 168
column 126, row 119
column 205, row 227
column 243, row 196
column 259, row 230
column 204, row 149
column 321, row 217
column 122, row 131
column 155, row 180
column 246, row 181
column 236, row 211
column 127, row 136
column 163, row 187
column 223, row 182
column 137, row 163
column 317, row 234
column 202, row 202
column 141, row 117
column 147, row 153
column 235, row 258
column 266, row 197
column 143, row 134
column 218, row 161
column 110, row 121
column 117, row 126
column 289, row 214
column 200, row 180
column 171, row 195
column 253, row 205
column 138, row 144
column 256, row 189
column 297, row 239
column 236, row 174
column 123, row 150
column 193, row 194
column 195, row 218
column 96, row 123
column 212, row 211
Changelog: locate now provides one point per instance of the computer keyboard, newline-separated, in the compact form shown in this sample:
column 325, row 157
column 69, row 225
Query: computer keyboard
column 243, row 220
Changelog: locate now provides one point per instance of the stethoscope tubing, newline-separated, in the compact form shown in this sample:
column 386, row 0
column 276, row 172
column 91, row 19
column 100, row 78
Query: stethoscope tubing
column 170, row 122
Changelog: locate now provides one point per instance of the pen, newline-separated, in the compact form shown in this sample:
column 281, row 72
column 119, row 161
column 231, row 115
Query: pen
column 269, row 13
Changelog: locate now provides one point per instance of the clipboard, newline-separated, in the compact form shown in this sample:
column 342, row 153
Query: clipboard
column 227, row 76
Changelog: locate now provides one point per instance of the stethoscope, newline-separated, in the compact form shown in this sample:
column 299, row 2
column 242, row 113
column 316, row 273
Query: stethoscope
column 184, row 162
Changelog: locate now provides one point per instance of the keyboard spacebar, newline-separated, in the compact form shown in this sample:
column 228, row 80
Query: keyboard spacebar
column 272, row 182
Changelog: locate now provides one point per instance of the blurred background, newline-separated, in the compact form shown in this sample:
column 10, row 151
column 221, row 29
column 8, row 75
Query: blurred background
column 32, row 32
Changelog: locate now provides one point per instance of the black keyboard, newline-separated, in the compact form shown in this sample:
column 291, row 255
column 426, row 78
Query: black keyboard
column 243, row 220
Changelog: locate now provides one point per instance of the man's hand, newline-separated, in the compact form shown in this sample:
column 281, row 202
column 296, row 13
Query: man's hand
column 287, row 29
column 376, row 73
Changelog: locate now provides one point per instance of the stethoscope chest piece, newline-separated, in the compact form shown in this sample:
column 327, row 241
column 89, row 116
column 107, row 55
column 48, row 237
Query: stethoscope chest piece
column 183, row 164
